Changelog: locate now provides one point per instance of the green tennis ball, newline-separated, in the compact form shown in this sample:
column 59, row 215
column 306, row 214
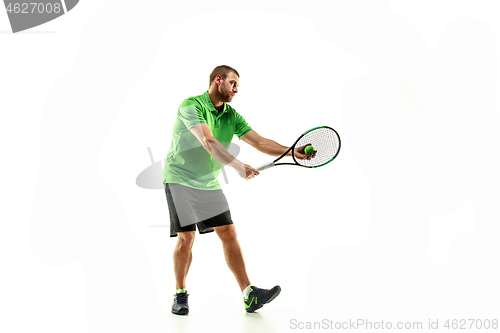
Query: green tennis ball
column 309, row 150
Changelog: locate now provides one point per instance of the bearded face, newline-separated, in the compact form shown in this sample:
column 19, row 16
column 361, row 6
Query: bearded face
column 228, row 87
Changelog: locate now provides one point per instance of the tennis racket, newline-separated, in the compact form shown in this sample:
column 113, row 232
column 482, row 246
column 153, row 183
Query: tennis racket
column 325, row 141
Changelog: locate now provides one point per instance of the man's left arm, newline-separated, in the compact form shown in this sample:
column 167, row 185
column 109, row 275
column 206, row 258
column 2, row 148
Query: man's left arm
column 270, row 147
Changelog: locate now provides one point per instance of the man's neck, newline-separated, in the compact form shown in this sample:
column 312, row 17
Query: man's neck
column 216, row 101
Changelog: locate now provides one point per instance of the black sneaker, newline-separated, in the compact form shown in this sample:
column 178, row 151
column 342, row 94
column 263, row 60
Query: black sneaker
column 180, row 305
column 258, row 297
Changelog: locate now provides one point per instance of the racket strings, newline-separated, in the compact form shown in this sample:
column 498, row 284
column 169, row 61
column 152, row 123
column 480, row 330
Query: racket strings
column 325, row 141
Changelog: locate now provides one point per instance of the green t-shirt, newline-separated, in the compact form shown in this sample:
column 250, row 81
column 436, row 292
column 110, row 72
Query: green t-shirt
column 188, row 163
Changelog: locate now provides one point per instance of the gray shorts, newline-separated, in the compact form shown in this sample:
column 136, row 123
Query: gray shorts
column 190, row 207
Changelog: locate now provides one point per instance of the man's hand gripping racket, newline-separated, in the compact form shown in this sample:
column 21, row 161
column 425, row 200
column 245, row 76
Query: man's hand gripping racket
column 325, row 143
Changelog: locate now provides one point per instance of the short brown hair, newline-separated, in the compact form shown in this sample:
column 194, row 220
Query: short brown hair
column 223, row 71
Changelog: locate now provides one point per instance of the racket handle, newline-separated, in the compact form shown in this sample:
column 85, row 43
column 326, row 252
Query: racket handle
column 265, row 166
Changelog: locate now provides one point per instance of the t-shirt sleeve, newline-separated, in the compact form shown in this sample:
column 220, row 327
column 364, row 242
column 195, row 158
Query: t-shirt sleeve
column 241, row 126
column 191, row 114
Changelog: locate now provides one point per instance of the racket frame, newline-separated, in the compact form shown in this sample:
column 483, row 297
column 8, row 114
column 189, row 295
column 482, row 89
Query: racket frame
column 292, row 148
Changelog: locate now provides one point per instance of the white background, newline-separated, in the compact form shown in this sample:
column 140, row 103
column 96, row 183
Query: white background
column 402, row 226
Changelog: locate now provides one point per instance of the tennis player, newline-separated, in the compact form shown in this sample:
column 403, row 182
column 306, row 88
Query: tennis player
column 202, row 133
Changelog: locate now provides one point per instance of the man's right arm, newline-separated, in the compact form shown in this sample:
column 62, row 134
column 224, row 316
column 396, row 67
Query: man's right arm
column 204, row 134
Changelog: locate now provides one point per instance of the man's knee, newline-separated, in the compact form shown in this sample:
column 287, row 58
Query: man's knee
column 226, row 232
column 185, row 239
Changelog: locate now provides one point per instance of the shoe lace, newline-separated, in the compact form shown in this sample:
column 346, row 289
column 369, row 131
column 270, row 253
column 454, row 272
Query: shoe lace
column 181, row 298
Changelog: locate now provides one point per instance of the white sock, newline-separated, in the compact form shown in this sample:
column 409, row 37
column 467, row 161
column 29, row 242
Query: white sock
column 246, row 291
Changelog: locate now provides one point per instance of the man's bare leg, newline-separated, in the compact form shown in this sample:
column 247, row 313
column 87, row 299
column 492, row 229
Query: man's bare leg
column 182, row 257
column 233, row 254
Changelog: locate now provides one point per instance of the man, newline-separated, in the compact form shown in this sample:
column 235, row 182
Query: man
column 203, row 130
